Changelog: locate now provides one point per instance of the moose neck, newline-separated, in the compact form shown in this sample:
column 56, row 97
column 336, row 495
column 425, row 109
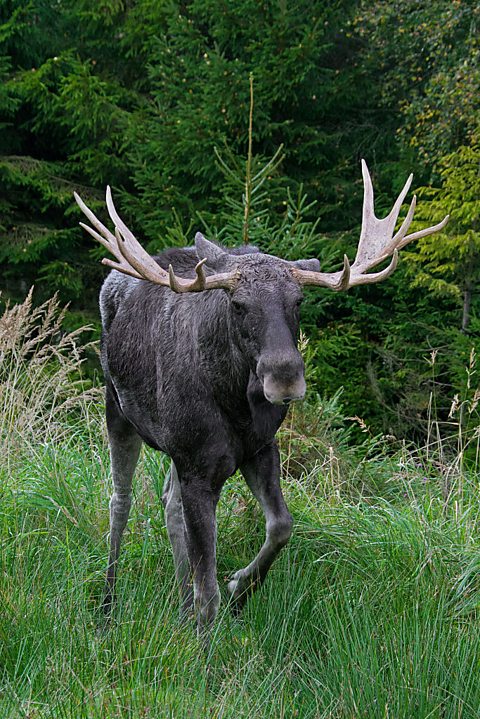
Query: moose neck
column 214, row 348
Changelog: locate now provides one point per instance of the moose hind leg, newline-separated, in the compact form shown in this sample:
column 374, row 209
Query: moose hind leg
column 262, row 474
column 172, row 499
column 125, row 446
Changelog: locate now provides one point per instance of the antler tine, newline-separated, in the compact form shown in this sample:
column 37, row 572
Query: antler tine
column 395, row 211
column 372, row 247
column 368, row 195
column 368, row 201
column 377, row 242
column 132, row 250
column 424, row 233
column 344, row 281
column 108, row 240
column 121, row 268
column 406, row 223
column 106, row 243
column 200, row 272
column 115, row 217
column 198, row 284
column 335, row 281
column 373, row 277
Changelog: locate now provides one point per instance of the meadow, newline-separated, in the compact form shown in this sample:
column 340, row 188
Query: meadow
column 371, row 611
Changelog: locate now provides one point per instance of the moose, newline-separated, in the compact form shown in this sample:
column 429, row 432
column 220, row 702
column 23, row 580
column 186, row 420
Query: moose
column 199, row 351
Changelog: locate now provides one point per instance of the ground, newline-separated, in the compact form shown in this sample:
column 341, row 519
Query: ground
column 371, row 611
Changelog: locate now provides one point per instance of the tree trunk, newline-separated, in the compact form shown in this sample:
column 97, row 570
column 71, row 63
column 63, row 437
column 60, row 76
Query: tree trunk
column 467, row 301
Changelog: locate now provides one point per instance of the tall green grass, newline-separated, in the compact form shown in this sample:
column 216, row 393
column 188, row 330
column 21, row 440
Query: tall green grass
column 371, row 611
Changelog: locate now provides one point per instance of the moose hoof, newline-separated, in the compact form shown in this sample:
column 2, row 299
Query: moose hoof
column 235, row 586
column 240, row 587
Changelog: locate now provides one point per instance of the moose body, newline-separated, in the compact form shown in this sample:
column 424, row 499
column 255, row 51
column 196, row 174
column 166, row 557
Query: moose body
column 186, row 373
column 176, row 367
column 201, row 361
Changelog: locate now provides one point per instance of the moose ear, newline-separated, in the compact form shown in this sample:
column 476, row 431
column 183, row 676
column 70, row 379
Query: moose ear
column 313, row 265
column 212, row 252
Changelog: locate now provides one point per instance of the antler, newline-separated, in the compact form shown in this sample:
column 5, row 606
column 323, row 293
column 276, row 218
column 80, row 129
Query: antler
column 133, row 260
column 377, row 242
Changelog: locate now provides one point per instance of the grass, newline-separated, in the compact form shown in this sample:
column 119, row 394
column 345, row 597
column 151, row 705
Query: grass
column 371, row 611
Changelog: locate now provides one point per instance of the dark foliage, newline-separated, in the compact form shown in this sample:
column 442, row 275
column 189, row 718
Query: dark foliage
column 140, row 94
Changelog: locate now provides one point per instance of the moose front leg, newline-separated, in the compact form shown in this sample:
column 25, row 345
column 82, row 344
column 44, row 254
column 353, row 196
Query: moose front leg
column 199, row 504
column 175, row 522
column 262, row 474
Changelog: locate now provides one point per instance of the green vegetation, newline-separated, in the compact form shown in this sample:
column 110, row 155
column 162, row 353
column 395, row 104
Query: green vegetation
column 153, row 98
column 372, row 610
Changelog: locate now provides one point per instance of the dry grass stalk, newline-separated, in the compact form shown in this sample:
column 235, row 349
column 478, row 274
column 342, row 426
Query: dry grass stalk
column 40, row 381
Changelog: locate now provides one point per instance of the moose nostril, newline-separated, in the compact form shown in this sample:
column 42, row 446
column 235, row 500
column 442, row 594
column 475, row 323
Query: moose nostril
column 281, row 391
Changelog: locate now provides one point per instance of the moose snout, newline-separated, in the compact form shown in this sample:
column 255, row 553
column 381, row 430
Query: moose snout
column 282, row 378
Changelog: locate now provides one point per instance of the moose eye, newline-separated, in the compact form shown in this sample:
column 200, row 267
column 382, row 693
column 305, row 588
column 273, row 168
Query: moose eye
column 239, row 308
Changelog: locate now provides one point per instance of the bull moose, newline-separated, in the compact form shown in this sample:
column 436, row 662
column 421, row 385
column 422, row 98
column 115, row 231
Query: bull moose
column 199, row 351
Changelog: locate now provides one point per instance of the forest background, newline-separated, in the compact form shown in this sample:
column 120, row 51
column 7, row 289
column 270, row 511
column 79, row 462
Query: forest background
column 153, row 99
column 373, row 609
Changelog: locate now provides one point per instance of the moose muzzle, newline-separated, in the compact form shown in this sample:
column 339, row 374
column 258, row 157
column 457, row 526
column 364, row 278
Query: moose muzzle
column 282, row 377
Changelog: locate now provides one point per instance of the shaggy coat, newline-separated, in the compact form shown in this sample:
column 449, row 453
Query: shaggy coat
column 206, row 378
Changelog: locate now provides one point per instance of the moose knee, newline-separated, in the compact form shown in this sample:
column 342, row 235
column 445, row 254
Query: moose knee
column 280, row 531
column 120, row 503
